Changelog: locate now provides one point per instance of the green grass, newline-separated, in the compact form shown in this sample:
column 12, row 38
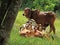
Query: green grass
column 16, row 39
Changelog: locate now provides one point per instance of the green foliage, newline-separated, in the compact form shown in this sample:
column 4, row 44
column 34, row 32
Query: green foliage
column 26, row 3
column 49, row 7
column 45, row 5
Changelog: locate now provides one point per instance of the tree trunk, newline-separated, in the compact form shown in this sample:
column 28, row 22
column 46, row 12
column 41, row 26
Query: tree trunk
column 8, row 21
column 4, row 7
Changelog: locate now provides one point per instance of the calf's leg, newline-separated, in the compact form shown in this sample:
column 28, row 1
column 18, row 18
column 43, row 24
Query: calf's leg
column 52, row 28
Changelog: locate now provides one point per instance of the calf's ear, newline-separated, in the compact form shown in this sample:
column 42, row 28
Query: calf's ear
column 37, row 12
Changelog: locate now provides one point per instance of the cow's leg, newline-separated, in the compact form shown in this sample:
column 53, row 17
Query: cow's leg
column 52, row 28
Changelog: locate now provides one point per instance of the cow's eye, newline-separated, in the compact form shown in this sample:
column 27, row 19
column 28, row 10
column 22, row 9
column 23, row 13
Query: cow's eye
column 23, row 14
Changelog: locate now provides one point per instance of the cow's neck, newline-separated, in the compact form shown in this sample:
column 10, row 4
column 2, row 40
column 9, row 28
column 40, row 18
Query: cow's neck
column 31, row 16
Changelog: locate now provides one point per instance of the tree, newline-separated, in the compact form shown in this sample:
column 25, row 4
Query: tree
column 8, row 13
column 4, row 6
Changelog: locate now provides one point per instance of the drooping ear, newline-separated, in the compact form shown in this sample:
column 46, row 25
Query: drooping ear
column 37, row 12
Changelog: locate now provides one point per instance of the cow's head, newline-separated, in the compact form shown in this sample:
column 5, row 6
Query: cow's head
column 27, row 12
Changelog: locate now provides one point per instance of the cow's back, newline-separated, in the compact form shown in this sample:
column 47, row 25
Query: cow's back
column 44, row 18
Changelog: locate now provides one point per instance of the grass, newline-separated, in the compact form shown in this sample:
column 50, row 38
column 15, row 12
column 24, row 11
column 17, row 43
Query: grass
column 16, row 39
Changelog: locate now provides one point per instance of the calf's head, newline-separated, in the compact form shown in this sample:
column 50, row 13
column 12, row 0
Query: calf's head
column 30, row 14
column 27, row 12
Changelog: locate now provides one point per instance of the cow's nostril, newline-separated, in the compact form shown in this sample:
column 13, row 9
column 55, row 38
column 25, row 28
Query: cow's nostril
column 23, row 14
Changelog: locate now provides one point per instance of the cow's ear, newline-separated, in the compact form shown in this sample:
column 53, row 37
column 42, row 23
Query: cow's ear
column 37, row 11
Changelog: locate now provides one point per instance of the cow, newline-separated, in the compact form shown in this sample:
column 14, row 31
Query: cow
column 43, row 18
